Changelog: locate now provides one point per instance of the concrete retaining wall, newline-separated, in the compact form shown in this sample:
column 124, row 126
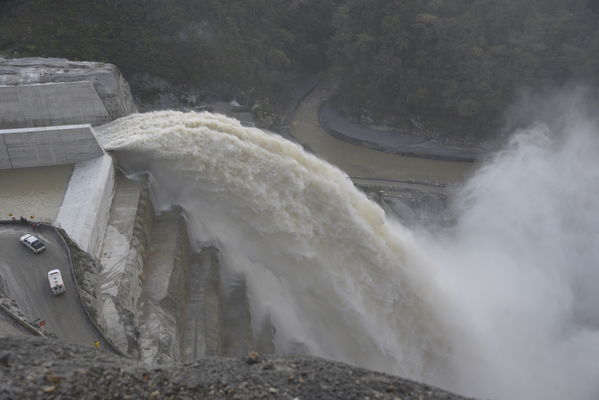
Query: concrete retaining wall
column 51, row 104
column 40, row 147
column 86, row 204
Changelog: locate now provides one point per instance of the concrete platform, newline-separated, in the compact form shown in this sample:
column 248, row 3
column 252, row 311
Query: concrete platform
column 38, row 147
column 51, row 104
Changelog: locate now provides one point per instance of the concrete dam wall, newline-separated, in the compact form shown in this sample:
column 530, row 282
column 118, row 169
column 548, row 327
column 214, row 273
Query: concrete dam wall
column 153, row 297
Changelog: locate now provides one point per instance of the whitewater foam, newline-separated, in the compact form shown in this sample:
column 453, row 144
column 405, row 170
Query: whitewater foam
column 315, row 252
column 502, row 306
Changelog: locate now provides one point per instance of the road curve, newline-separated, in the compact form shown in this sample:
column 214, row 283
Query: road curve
column 25, row 277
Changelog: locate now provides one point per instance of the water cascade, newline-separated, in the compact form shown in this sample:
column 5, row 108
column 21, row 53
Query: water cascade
column 500, row 305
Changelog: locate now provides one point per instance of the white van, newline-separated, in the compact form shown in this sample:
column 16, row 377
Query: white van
column 56, row 283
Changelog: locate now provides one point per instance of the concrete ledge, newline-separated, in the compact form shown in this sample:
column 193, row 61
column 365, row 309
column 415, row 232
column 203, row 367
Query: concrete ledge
column 84, row 211
column 40, row 147
column 51, row 104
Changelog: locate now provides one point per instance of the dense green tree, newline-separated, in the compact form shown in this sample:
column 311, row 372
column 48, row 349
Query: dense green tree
column 248, row 44
column 458, row 64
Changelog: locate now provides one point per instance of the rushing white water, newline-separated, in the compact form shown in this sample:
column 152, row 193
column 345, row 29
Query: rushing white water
column 503, row 306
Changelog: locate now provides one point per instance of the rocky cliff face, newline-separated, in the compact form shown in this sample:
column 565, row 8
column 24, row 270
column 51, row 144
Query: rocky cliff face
column 106, row 79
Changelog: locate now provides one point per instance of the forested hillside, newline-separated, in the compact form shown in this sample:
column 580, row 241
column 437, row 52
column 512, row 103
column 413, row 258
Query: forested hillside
column 452, row 65
column 459, row 63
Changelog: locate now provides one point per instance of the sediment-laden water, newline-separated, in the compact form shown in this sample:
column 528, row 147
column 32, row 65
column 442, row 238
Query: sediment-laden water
column 33, row 192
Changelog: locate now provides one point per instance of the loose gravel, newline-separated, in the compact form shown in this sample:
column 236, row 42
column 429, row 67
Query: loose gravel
column 37, row 368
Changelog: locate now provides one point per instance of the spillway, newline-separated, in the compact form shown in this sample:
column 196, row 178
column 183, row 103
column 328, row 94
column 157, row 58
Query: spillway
column 486, row 307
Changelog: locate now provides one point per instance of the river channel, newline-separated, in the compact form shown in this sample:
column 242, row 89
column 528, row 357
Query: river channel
column 362, row 162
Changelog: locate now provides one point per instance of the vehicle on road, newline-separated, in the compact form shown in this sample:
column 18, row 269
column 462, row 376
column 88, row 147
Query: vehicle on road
column 56, row 283
column 33, row 243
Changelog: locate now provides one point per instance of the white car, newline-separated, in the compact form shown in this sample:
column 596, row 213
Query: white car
column 33, row 243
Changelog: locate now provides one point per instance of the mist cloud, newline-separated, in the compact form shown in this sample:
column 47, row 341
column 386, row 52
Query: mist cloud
column 522, row 263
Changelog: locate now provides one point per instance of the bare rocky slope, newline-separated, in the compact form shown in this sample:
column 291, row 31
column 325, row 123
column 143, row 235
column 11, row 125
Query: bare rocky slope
column 32, row 368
